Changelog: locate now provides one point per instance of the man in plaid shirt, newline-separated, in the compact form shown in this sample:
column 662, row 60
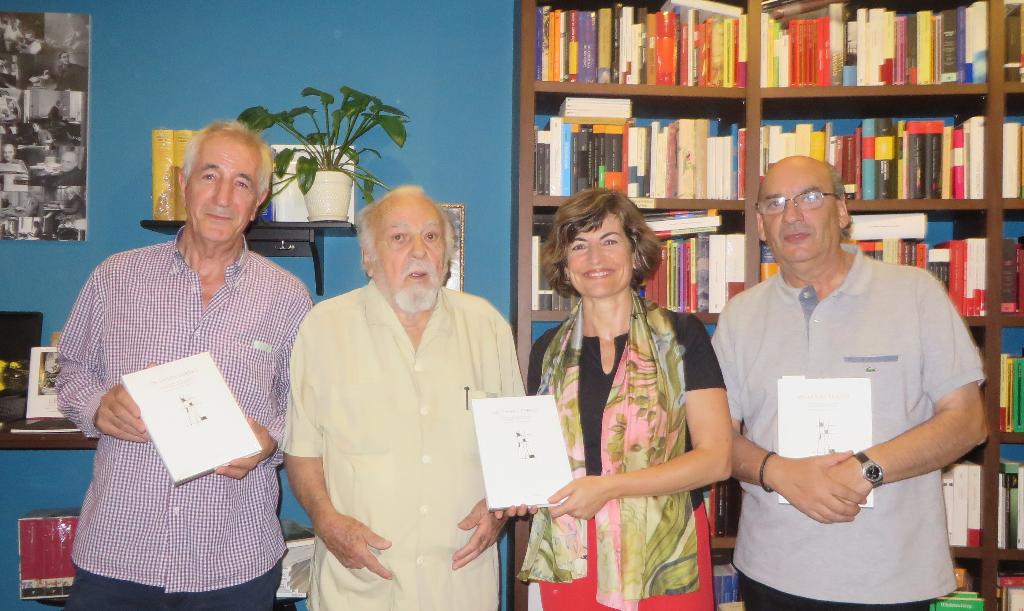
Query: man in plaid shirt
column 214, row 542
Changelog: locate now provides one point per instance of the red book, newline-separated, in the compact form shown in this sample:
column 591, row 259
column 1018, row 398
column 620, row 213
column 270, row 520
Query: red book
column 45, row 539
column 958, row 164
column 823, row 53
column 665, row 47
column 957, row 269
column 794, row 56
column 858, row 147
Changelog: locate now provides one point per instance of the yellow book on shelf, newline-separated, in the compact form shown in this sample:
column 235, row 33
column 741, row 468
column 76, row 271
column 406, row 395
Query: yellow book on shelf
column 163, row 174
column 181, row 140
column 818, row 145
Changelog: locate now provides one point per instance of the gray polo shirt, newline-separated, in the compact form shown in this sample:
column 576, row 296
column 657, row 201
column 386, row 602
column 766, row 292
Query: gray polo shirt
column 893, row 324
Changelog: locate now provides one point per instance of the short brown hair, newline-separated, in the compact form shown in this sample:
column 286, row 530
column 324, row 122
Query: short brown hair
column 586, row 211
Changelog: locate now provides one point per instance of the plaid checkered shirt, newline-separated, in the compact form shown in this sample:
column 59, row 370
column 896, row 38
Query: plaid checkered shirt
column 144, row 307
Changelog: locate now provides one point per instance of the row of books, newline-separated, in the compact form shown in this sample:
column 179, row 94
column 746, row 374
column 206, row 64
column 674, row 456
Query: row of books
column 684, row 158
column 1011, row 393
column 168, row 147
column 961, row 490
column 958, row 601
column 631, row 45
column 875, row 46
column 892, row 158
column 698, row 274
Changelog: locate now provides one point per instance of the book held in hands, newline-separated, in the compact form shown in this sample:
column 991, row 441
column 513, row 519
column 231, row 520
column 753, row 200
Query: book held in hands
column 191, row 416
column 522, row 451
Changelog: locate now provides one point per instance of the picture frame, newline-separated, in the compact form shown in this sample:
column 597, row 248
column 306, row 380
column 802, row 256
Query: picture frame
column 457, row 269
column 42, row 378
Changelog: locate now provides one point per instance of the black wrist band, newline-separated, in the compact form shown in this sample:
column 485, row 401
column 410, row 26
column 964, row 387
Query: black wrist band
column 760, row 473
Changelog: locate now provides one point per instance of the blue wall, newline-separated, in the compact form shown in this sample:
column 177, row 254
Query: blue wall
column 182, row 64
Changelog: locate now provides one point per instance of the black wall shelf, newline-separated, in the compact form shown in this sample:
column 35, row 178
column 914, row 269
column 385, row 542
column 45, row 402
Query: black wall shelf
column 272, row 239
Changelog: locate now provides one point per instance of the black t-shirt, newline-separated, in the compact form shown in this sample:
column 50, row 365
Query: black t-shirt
column 700, row 368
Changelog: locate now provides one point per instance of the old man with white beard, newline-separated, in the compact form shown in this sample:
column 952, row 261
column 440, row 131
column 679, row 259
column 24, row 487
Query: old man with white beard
column 379, row 447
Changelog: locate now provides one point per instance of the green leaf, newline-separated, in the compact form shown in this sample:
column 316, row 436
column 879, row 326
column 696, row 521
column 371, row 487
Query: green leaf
column 325, row 98
column 305, row 172
column 256, row 118
column 391, row 110
column 395, row 129
column 282, row 160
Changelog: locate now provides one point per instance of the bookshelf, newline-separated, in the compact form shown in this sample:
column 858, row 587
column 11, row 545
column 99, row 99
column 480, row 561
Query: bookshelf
column 751, row 107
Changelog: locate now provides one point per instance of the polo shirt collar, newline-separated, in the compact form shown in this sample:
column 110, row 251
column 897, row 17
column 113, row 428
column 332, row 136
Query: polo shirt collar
column 855, row 283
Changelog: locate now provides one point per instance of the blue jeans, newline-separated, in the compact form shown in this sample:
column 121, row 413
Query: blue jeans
column 759, row 597
column 91, row 592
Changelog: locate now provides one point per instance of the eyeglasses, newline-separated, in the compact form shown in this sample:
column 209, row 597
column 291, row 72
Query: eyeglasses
column 808, row 200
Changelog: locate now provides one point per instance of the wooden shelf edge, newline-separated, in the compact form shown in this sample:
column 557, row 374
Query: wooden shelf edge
column 655, row 91
column 45, row 441
column 788, row 93
column 965, row 552
column 916, row 205
column 723, row 542
column 554, row 201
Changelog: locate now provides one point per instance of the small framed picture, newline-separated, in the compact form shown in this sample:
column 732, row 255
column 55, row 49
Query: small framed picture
column 457, row 271
column 42, row 384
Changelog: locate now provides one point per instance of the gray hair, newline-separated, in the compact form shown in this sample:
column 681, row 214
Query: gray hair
column 237, row 130
column 368, row 221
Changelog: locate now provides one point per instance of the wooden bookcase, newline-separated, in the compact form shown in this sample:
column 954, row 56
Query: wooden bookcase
column 749, row 106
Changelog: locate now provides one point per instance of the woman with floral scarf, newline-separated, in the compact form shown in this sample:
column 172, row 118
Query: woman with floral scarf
column 644, row 414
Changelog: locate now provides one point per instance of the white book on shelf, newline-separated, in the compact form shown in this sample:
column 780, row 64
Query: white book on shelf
column 1011, row 159
column 905, row 226
column 862, row 47
column 961, row 481
column 522, row 450
column 802, row 139
column 191, row 416
column 718, row 288
column 708, row 8
column 765, row 49
column 976, row 157
column 535, row 272
column 948, row 500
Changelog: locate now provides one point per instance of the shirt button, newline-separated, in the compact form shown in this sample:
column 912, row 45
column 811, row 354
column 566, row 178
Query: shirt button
column 424, row 410
column 817, row 320
column 423, row 509
column 426, row 459
column 176, row 510
column 417, row 367
column 419, row 559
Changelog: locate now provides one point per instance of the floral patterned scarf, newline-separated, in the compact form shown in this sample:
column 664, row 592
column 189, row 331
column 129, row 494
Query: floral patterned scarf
column 646, row 546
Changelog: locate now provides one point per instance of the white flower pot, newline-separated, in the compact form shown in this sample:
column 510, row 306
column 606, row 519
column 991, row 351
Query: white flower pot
column 328, row 198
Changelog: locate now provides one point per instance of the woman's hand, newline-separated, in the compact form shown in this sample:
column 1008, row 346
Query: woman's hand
column 516, row 511
column 582, row 498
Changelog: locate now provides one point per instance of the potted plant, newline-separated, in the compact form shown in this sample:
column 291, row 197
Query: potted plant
column 327, row 160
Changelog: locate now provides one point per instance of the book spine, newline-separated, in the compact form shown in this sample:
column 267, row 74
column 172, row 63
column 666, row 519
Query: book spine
column 163, row 174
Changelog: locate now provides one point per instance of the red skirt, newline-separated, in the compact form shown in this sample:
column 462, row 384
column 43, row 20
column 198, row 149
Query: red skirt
column 581, row 594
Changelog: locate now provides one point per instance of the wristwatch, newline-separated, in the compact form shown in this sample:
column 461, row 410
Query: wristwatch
column 873, row 471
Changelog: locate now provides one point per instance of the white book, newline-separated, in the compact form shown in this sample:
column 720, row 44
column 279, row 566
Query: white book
column 783, row 48
column 908, row 226
column 735, row 259
column 535, row 272
column 1011, row 159
column 706, row 7
column 974, row 503
column 765, row 49
column 976, row 157
column 191, row 416
column 522, row 451
column 689, row 222
column 947, row 498
column 818, row 416
column 862, row 47
column 961, row 481
column 802, row 139
column 43, row 370
column 718, row 288
column 1001, row 513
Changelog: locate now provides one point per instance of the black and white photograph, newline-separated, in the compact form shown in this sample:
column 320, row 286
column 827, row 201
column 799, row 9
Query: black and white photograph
column 42, row 387
column 44, row 91
column 457, row 214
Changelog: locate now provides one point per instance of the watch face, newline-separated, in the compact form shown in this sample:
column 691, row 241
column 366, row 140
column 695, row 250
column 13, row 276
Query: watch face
column 873, row 473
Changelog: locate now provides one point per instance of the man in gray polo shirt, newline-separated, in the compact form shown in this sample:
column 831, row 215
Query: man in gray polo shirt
column 833, row 313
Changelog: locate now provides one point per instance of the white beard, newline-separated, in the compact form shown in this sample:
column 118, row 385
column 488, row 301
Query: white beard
column 419, row 298
column 416, row 299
